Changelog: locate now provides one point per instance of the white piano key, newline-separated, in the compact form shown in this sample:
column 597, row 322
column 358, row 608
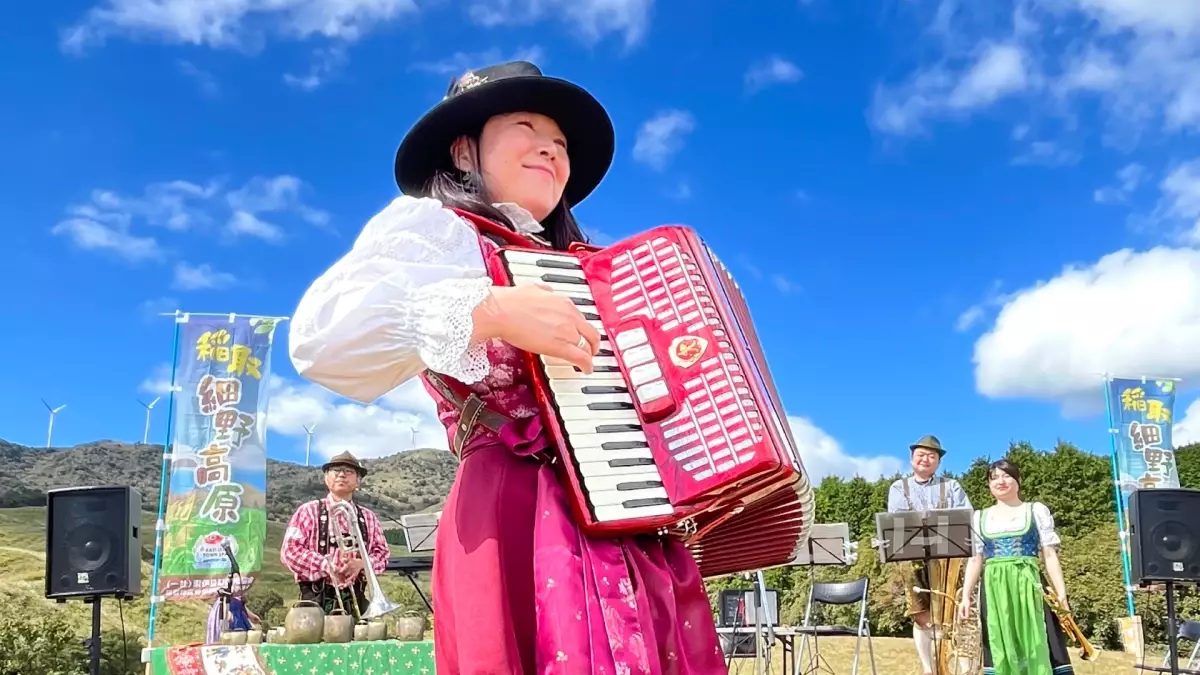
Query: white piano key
column 564, row 400
column 618, row 497
column 581, row 440
column 573, row 427
column 533, row 270
column 589, row 455
column 569, row 373
column 573, row 290
column 590, row 470
column 608, row 514
column 627, row 416
column 582, row 386
column 597, row 361
column 529, row 257
column 605, row 483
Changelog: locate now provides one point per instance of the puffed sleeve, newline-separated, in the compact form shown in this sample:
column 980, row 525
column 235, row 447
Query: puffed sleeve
column 976, row 537
column 1045, row 525
column 399, row 302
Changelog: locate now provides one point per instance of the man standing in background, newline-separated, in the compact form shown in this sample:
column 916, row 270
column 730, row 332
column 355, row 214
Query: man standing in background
column 922, row 491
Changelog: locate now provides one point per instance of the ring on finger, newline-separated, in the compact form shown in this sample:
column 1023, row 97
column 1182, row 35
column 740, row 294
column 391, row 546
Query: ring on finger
column 583, row 343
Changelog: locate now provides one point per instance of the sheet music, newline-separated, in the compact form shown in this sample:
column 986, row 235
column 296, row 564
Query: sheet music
column 917, row 535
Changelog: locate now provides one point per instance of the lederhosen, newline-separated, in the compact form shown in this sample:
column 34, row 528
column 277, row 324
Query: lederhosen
column 919, row 602
column 324, row 593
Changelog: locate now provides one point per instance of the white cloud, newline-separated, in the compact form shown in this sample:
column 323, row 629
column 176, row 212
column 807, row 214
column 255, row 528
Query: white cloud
column 377, row 430
column 159, row 381
column 661, row 137
column 1128, row 314
column 131, row 227
column 1180, row 202
column 205, row 81
column 461, row 62
column 1187, row 429
column 979, row 311
column 190, row 277
column 774, row 70
column 325, row 64
column 1139, row 60
column 1128, row 179
column 247, row 25
column 88, row 230
column 823, row 455
column 591, row 20
column 230, row 24
column 992, row 72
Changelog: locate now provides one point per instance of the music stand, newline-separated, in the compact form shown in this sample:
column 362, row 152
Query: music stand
column 924, row 536
column 828, row 544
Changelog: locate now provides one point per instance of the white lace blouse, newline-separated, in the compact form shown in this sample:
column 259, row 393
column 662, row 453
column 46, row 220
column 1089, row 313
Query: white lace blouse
column 399, row 302
column 997, row 521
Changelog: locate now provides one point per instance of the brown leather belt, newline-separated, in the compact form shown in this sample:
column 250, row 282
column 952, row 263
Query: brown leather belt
column 471, row 410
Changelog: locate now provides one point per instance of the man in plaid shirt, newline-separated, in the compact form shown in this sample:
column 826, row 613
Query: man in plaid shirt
column 313, row 555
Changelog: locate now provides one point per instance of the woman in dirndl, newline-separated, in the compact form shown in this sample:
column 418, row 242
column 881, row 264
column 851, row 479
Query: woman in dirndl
column 1021, row 634
column 517, row 587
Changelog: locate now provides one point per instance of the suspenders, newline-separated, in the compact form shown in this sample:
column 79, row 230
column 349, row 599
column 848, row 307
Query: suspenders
column 941, row 493
column 323, row 527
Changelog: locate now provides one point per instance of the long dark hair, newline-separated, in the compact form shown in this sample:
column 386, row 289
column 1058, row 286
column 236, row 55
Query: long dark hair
column 465, row 190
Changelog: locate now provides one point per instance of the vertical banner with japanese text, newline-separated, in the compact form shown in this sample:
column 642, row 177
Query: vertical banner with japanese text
column 1142, row 415
column 218, row 472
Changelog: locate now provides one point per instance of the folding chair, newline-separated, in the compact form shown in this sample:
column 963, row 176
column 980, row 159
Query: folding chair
column 834, row 593
column 1188, row 630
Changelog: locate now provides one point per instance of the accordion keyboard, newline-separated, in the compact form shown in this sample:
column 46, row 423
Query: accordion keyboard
column 597, row 411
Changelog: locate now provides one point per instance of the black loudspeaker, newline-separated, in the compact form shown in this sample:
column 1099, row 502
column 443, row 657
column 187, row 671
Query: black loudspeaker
column 1164, row 541
column 93, row 543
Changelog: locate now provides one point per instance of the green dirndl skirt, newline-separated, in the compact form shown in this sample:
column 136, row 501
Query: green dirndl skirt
column 1021, row 634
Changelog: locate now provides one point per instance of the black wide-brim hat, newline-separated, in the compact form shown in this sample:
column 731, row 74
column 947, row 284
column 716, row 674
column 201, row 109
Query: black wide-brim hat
column 518, row 86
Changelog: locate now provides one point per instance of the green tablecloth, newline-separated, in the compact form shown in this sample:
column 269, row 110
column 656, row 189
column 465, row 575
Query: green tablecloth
column 384, row 657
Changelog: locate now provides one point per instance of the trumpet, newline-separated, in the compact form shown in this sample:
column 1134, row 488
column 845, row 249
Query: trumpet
column 1086, row 652
column 351, row 545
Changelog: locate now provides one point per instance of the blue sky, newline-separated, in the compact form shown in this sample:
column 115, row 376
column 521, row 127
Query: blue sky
column 947, row 218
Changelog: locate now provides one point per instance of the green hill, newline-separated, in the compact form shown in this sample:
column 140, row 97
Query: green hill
column 408, row 482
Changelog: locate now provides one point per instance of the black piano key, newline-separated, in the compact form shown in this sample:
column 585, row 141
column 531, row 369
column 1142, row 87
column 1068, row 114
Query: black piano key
column 613, row 405
column 603, row 389
column 617, row 428
column 563, row 279
column 632, row 461
column 639, row 485
column 559, row 264
column 605, row 352
column 590, row 316
column 583, row 302
column 646, row 501
column 601, row 369
column 624, row 445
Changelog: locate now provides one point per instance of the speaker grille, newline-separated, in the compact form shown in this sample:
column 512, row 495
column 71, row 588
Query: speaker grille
column 1165, row 545
column 92, row 542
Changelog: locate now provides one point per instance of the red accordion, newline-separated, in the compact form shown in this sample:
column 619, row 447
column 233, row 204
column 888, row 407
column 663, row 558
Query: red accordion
column 679, row 429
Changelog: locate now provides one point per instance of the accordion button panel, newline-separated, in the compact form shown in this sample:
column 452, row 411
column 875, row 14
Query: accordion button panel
column 598, row 416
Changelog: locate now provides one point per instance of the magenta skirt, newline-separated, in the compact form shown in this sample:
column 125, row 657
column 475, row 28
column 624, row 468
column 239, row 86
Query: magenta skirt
column 517, row 588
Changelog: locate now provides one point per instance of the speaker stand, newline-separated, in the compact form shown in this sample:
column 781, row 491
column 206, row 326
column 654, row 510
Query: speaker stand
column 1172, row 631
column 93, row 643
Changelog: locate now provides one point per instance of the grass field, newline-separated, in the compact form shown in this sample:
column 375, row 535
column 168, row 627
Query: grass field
column 897, row 656
column 22, row 566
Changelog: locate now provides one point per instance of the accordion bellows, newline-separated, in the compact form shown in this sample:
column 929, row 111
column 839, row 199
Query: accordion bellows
column 679, row 430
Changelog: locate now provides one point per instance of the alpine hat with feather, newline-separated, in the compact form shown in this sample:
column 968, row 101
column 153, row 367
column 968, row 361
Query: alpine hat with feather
column 517, row 86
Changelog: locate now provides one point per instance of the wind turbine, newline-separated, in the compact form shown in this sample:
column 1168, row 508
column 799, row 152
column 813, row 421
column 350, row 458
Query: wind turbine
column 308, row 434
column 414, row 438
column 148, row 406
column 53, row 412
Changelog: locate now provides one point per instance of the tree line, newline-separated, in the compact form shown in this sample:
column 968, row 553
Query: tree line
column 1074, row 484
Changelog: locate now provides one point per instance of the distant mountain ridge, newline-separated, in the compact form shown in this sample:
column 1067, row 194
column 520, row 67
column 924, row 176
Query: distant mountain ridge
column 407, row 482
